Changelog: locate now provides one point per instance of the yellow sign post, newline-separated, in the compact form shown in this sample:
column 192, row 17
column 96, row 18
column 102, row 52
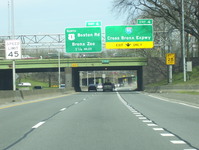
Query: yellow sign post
column 170, row 58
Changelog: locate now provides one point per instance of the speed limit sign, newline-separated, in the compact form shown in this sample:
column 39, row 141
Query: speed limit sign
column 13, row 49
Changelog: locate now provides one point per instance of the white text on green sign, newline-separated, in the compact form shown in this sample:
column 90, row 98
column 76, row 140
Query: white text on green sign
column 83, row 40
column 145, row 21
column 93, row 23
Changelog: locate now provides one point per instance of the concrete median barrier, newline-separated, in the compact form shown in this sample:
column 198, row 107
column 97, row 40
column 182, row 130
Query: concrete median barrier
column 7, row 97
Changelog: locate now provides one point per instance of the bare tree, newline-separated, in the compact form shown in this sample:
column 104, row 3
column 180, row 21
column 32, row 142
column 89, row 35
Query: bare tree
column 170, row 10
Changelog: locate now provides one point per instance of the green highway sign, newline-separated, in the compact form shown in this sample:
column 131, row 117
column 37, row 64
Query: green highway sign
column 145, row 21
column 129, row 37
column 83, row 40
column 93, row 23
column 105, row 61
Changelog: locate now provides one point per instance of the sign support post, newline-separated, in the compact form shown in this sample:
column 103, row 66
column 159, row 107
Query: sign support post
column 13, row 34
column 170, row 60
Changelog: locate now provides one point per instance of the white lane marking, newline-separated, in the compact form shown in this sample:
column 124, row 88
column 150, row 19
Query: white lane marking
column 62, row 109
column 166, row 134
column 147, row 121
column 181, row 103
column 139, row 115
column 190, row 149
column 152, row 125
column 142, row 118
column 76, row 102
column 84, row 99
column 158, row 129
column 177, row 142
column 134, row 111
column 38, row 125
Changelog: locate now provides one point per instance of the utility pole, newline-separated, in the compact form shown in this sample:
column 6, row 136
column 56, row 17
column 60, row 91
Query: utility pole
column 13, row 37
column 183, row 43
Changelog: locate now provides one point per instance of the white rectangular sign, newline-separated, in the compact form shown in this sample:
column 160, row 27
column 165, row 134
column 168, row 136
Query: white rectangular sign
column 13, row 49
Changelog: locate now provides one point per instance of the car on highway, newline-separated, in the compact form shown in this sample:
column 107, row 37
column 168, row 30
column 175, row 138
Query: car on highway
column 28, row 57
column 24, row 84
column 108, row 86
column 92, row 87
column 99, row 86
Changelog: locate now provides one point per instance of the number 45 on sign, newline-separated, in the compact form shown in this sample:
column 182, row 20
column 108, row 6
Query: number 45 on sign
column 13, row 49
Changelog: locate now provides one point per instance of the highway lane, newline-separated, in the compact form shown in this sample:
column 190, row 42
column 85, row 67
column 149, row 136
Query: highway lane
column 175, row 117
column 89, row 120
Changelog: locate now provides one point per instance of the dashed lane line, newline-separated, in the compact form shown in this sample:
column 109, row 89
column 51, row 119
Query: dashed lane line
column 38, row 125
column 177, row 142
column 166, row 134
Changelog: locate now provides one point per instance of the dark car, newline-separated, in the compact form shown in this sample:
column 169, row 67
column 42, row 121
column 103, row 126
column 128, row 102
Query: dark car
column 92, row 87
column 37, row 87
column 108, row 86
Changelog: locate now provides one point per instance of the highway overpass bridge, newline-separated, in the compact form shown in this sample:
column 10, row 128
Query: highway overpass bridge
column 71, row 67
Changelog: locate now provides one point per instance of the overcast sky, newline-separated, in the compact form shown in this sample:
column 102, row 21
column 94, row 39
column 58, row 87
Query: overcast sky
column 53, row 16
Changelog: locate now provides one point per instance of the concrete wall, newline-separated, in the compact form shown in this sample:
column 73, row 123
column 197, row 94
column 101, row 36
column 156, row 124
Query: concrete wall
column 7, row 97
column 170, row 88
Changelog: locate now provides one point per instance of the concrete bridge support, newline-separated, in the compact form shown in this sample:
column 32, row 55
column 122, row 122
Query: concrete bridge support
column 6, row 79
column 68, row 77
column 140, row 85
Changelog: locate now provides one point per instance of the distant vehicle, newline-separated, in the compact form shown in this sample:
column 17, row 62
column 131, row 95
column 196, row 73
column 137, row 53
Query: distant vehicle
column 119, row 55
column 24, row 84
column 51, row 56
column 28, row 57
column 37, row 87
column 108, row 86
column 62, row 86
column 66, row 55
column 89, row 55
column 92, row 87
column 99, row 86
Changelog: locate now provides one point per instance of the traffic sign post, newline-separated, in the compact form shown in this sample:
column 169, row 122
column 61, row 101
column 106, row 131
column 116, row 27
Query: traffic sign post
column 170, row 58
column 13, row 49
column 83, row 40
column 129, row 37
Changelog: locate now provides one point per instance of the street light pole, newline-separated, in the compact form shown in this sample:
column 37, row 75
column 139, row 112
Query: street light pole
column 59, row 70
column 13, row 37
column 183, row 43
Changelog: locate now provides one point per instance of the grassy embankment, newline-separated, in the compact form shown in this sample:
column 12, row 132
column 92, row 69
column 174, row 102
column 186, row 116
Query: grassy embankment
column 178, row 79
column 34, row 83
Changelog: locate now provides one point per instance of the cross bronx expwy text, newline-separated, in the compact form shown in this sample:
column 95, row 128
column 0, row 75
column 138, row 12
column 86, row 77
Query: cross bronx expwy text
column 148, row 38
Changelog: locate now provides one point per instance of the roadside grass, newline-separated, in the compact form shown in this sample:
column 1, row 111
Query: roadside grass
column 188, row 92
column 178, row 79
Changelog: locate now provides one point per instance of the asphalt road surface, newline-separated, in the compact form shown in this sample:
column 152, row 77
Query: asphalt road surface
column 100, row 121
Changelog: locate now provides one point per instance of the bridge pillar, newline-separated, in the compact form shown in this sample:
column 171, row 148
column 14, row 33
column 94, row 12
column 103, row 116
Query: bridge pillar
column 140, row 86
column 76, row 79
column 6, row 80
column 68, row 77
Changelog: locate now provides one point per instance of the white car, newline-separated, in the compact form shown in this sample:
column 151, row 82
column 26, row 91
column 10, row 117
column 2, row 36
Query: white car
column 99, row 86
column 24, row 84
